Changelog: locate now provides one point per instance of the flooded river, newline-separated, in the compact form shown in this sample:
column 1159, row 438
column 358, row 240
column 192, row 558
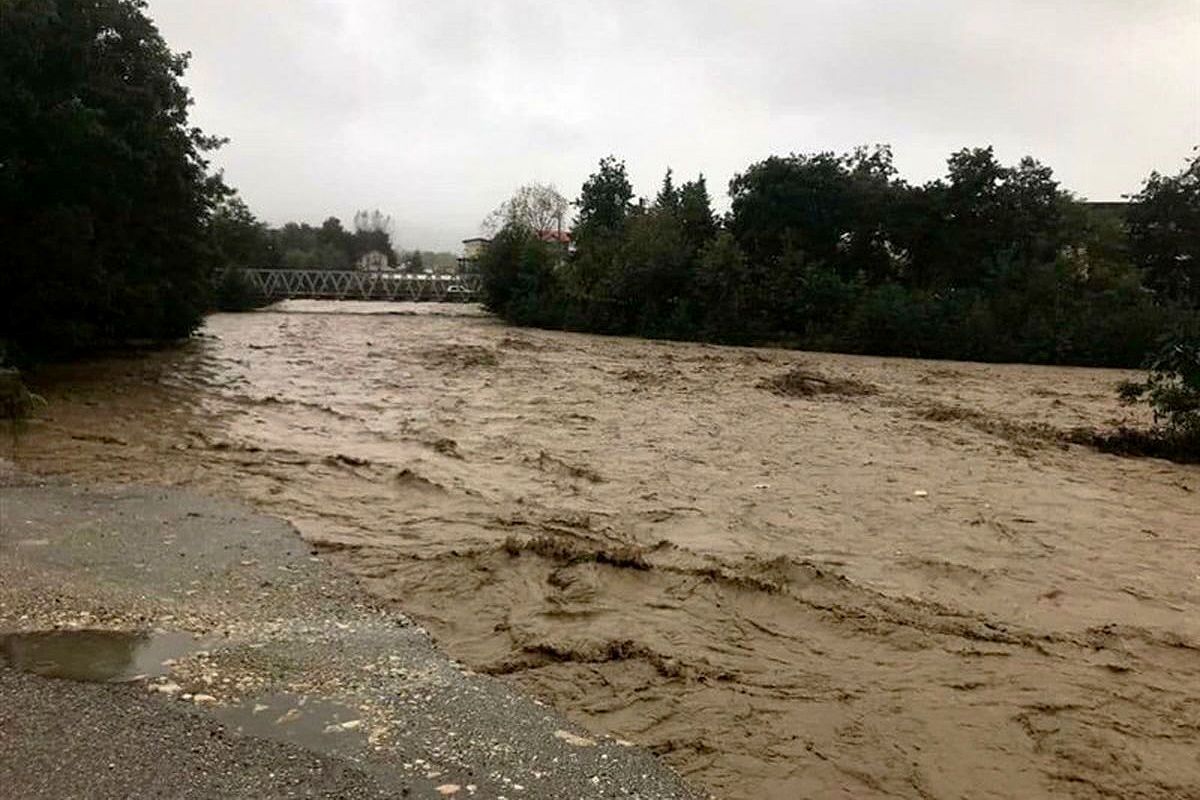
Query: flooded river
column 886, row 580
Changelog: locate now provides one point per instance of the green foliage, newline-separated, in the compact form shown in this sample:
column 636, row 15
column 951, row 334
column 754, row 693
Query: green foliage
column 1173, row 388
column 981, row 211
column 605, row 201
column 330, row 245
column 236, row 238
column 992, row 263
column 520, row 279
column 104, row 188
column 1164, row 233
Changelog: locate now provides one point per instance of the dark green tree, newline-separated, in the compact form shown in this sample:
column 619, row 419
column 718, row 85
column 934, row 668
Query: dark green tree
column 604, row 206
column 605, row 201
column 237, row 239
column 668, row 196
column 981, row 214
column 104, row 186
column 696, row 215
column 1164, row 234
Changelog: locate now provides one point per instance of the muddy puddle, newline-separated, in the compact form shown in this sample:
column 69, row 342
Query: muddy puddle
column 788, row 574
column 323, row 726
column 100, row 656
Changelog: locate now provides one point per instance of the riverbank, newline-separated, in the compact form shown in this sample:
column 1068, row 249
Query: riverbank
column 273, row 675
column 787, row 574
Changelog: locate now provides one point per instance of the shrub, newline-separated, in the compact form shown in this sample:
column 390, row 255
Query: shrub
column 1173, row 392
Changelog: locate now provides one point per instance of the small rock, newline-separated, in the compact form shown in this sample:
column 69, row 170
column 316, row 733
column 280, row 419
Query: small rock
column 448, row 789
column 203, row 699
column 920, row 493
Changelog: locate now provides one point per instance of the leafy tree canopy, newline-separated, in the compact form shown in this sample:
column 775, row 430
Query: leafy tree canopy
column 104, row 188
column 1164, row 233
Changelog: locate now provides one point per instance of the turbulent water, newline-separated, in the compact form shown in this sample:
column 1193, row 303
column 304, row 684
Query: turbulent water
column 875, row 578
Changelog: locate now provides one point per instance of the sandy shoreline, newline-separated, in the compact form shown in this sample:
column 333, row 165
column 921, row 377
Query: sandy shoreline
column 906, row 592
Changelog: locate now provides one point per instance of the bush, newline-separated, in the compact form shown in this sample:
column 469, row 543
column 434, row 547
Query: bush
column 1173, row 392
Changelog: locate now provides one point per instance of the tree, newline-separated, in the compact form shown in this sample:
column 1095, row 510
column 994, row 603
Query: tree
column 237, row 239
column 668, row 196
column 536, row 206
column 604, row 206
column 694, row 207
column 1164, row 233
column 605, row 200
column 373, row 231
column 104, row 186
column 983, row 213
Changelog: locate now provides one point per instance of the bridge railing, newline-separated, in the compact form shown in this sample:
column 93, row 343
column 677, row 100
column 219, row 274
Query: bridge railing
column 325, row 284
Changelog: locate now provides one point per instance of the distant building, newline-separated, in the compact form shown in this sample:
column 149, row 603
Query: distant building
column 374, row 261
column 473, row 248
column 557, row 237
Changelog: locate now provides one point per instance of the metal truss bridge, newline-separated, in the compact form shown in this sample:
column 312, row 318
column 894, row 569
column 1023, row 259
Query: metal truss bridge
column 327, row 284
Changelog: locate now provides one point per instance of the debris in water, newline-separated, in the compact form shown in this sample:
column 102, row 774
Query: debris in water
column 573, row 739
column 297, row 719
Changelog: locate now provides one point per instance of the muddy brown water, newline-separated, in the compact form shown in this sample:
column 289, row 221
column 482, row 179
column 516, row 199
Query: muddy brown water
column 908, row 590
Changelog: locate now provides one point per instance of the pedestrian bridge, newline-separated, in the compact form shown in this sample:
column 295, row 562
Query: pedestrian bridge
column 328, row 284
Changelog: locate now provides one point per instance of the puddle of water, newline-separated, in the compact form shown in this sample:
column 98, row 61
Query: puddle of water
column 320, row 725
column 94, row 655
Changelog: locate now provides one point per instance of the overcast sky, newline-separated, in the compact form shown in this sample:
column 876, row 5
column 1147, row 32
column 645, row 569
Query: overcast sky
column 435, row 111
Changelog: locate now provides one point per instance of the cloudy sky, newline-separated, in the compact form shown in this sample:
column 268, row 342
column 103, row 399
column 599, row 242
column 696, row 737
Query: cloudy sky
column 435, row 111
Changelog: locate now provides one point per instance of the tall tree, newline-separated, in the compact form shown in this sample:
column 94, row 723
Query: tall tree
column 373, row 231
column 605, row 200
column 104, row 187
column 536, row 206
column 1164, row 232
column 668, row 196
column 696, row 214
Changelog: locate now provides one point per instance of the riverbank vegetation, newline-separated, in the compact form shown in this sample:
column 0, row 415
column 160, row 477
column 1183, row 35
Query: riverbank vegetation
column 835, row 252
column 105, row 188
column 113, row 226
column 823, row 251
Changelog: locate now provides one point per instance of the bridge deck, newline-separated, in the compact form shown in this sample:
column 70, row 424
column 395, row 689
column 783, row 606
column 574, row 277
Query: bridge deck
column 327, row 284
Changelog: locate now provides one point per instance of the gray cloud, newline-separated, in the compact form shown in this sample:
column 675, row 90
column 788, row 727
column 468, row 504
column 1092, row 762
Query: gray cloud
column 435, row 111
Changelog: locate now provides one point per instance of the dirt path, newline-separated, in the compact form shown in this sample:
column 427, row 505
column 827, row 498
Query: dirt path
column 905, row 587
